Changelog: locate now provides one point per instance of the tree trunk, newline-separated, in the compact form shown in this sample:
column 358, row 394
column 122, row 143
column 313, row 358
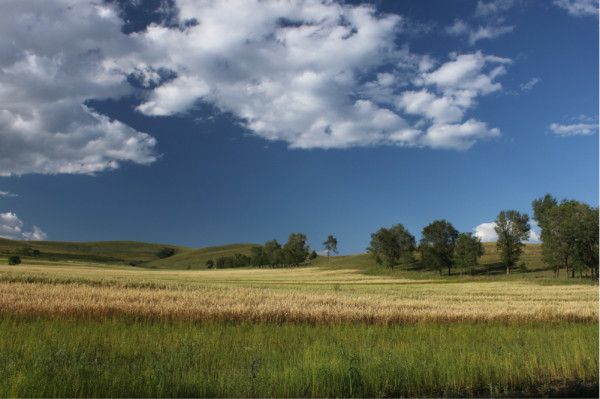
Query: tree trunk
column 507, row 269
column 448, row 270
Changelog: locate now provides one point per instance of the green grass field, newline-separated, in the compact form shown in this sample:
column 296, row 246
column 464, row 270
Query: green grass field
column 114, row 357
column 342, row 326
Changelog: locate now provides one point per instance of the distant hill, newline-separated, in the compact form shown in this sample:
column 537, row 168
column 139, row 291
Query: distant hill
column 196, row 259
column 124, row 252
column 100, row 251
column 147, row 255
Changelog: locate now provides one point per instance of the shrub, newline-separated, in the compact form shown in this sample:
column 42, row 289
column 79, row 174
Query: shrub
column 166, row 252
column 14, row 260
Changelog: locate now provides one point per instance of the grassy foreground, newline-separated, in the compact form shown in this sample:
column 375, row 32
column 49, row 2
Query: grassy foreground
column 114, row 357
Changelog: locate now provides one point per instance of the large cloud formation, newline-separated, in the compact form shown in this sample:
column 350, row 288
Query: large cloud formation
column 314, row 74
column 53, row 57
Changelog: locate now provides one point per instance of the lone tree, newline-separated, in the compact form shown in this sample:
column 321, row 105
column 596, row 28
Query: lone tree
column 437, row 244
column 330, row 245
column 467, row 250
column 210, row 263
column 512, row 228
column 391, row 246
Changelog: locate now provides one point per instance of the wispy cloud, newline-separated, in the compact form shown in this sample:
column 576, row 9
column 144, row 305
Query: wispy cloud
column 527, row 86
column 574, row 129
column 7, row 194
column 492, row 8
column 475, row 34
column 579, row 8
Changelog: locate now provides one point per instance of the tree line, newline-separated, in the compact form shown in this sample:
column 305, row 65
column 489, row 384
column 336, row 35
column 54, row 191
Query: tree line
column 272, row 254
column 569, row 235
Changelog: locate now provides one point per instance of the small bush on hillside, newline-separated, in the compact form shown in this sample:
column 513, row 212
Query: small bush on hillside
column 14, row 260
column 523, row 267
column 166, row 253
column 28, row 251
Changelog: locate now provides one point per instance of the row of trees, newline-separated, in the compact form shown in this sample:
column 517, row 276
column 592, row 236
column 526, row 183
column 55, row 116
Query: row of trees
column 293, row 253
column 569, row 234
column 441, row 246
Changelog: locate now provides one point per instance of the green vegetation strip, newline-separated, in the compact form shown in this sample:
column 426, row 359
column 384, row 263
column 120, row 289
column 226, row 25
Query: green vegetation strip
column 114, row 357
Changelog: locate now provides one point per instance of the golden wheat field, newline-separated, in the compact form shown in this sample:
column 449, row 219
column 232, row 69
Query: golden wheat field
column 284, row 295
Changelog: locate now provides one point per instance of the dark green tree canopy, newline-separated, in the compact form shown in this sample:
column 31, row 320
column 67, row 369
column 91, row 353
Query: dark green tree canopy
column 467, row 251
column 512, row 228
column 296, row 249
column 393, row 245
column 437, row 244
column 569, row 234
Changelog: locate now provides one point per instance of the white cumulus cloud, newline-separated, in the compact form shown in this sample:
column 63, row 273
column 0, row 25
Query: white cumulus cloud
column 486, row 233
column 298, row 72
column 12, row 227
column 54, row 56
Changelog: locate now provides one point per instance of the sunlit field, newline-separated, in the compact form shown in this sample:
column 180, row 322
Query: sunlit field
column 90, row 329
column 285, row 295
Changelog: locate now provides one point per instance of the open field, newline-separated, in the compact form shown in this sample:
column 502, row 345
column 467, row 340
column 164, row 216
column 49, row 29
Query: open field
column 338, row 327
column 285, row 295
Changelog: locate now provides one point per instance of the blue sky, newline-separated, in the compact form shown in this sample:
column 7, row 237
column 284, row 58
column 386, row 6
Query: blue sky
column 209, row 123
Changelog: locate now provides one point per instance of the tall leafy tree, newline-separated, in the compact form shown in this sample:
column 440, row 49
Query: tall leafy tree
column 330, row 245
column 512, row 228
column 296, row 249
column 437, row 244
column 586, row 246
column 257, row 256
column 569, row 234
column 272, row 253
column 392, row 246
column 467, row 251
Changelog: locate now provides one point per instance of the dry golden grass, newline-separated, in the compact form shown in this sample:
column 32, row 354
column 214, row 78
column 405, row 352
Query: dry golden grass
column 296, row 295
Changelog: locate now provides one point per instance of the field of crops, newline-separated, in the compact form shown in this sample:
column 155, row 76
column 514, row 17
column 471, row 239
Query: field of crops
column 90, row 329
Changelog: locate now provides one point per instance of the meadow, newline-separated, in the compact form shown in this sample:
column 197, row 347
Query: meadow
column 337, row 327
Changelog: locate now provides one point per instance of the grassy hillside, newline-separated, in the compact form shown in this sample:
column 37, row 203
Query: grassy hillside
column 146, row 255
column 101, row 251
column 196, row 259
